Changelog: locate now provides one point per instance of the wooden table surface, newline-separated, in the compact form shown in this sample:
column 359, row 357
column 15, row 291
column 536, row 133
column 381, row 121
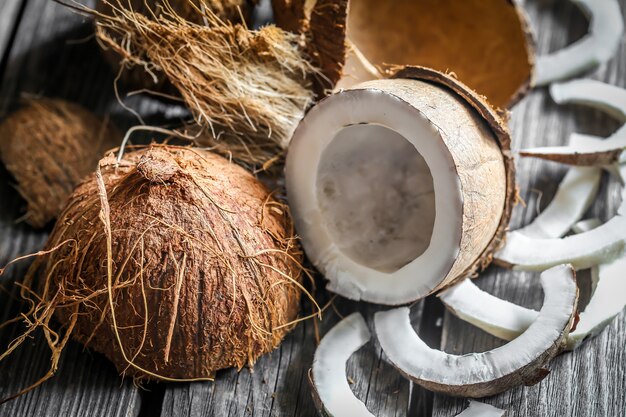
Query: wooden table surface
column 47, row 50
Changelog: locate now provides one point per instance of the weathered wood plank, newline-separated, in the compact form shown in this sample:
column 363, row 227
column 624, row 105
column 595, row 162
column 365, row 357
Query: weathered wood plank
column 279, row 384
column 591, row 380
column 9, row 18
column 52, row 55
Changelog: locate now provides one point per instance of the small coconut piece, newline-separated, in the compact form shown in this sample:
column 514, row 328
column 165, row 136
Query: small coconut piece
column 600, row 153
column 174, row 263
column 412, row 33
column 331, row 392
column 388, row 151
column 477, row 409
column 575, row 194
column 519, row 362
column 136, row 77
column 605, row 31
column 48, row 146
column 606, row 97
column 247, row 89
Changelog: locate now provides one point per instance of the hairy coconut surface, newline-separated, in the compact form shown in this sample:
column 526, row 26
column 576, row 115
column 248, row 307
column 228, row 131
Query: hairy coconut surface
column 486, row 43
column 49, row 146
column 136, row 77
column 174, row 264
column 248, row 89
column 400, row 187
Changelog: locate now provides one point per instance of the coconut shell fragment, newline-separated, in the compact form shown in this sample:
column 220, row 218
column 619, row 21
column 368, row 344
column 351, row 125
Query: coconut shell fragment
column 174, row 264
column 49, row 146
column 486, row 43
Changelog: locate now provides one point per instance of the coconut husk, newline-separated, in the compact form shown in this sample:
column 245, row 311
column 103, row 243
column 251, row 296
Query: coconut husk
column 48, row 146
column 248, row 89
column 135, row 77
column 486, row 43
column 174, row 263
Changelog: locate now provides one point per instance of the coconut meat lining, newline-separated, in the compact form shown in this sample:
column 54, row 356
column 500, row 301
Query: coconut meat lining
column 367, row 167
column 329, row 367
column 414, row 358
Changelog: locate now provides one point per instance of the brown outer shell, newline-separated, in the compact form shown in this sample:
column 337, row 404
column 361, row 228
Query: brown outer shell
column 49, row 146
column 188, row 228
column 470, row 48
column 602, row 158
column 503, row 137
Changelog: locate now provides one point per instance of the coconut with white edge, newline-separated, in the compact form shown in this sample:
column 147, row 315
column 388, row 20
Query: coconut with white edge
column 369, row 36
column 400, row 187
column 331, row 391
column 521, row 361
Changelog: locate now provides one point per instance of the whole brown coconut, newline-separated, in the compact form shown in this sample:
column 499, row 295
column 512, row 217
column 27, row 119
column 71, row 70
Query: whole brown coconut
column 174, row 264
column 49, row 146
column 486, row 43
column 136, row 77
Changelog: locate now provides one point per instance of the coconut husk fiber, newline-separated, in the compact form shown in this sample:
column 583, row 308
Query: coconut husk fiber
column 247, row 89
column 136, row 78
column 174, row 263
column 49, row 145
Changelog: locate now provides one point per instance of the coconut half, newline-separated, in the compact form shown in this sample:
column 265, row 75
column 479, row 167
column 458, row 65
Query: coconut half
column 331, row 391
column 476, row 409
column 605, row 31
column 520, row 362
column 446, row 35
column 390, row 204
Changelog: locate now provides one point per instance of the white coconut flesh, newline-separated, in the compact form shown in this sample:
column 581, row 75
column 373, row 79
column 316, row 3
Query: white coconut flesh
column 575, row 194
column 331, row 389
column 598, row 46
column 608, row 98
column 520, row 361
column 506, row 320
column 477, row 409
column 376, row 195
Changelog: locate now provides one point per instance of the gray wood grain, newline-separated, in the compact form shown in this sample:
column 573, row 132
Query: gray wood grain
column 591, row 380
column 278, row 385
column 52, row 55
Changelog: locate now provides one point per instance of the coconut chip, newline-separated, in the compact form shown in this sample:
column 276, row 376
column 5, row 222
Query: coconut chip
column 521, row 361
column 605, row 31
column 331, row 391
column 477, row 409
column 248, row 89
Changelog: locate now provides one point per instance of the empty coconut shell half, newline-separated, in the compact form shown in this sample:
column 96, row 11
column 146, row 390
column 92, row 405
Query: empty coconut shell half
column 49, row 145
column 400, row 187
column 486, row 43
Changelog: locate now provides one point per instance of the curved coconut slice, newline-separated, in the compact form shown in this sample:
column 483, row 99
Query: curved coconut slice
column 447, row 35
column 573, row 198
column 476, row 409
column 603, row 244
column 521, row 361
column 389, row 203
column 592, row 93
column 506, row 320
column 494, row 315
column 583, row 153
column 331, row 391
column 605, row 31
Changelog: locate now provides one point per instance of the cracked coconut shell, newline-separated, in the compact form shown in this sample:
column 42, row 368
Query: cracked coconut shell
column 183, row 264
column 136, row 77
column 49, row 146
column 486, row 43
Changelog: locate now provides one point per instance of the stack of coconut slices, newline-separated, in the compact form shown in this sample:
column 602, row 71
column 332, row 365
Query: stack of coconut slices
column 403, row 187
